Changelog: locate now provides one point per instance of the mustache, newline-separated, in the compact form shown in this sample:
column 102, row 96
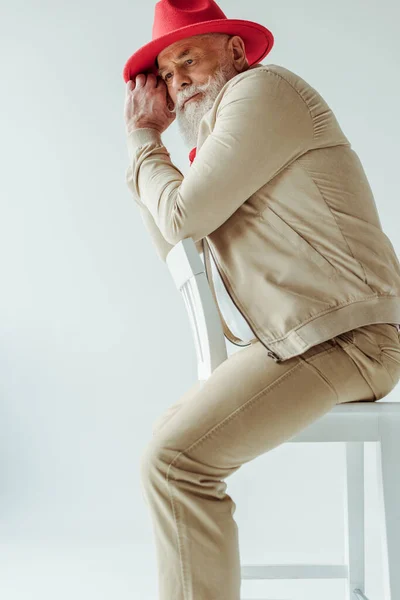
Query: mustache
column 173, row 108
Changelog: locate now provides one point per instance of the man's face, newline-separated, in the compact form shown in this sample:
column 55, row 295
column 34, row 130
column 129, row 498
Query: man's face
column 204, row 69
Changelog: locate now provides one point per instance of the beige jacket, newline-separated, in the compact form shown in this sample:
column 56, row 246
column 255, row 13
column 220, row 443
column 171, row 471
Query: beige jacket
column 281, row 200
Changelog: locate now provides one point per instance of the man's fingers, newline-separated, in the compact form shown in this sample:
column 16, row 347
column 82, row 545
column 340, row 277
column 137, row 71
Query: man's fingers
column 130, row 85
column 140, row 79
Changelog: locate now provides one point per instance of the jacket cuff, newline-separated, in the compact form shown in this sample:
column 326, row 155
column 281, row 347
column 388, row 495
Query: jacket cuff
column 140, row 137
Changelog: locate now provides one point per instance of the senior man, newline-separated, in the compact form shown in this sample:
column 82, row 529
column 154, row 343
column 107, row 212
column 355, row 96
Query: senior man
column 305, row 279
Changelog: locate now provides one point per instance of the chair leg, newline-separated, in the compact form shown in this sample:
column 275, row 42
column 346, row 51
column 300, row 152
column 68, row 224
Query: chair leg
column 354, row 517
column 388, row 471
column 359, row 595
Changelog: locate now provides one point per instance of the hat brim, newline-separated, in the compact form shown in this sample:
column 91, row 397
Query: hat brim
column 258, row 41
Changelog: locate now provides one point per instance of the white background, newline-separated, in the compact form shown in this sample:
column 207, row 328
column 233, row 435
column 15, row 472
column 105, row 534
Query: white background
column 94, row 338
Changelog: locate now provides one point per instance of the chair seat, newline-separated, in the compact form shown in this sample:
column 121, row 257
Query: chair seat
column 351, row 422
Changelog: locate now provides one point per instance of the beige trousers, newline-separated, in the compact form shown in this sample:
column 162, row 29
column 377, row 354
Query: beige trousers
column 249, row 405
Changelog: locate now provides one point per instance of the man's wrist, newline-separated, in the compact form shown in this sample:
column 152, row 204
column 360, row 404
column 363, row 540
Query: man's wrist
column 142, row 136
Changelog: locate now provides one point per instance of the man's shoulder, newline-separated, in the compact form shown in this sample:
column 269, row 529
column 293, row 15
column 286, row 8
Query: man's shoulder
column 248, row 93
column 258, row 71
column 255, row 75
column 274, row 80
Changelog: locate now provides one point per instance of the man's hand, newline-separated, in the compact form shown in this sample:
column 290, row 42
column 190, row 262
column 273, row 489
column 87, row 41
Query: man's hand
column 146, row 103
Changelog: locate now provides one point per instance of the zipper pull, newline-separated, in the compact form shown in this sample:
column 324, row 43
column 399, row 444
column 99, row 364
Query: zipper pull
column 273, row 355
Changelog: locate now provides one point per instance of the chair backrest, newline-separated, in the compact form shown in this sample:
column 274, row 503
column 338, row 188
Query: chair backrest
column 188, row 273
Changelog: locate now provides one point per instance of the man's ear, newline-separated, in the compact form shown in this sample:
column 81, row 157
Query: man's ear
column 170, row 104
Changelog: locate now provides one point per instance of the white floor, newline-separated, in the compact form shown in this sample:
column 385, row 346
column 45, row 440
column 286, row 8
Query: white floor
column 62, row 570
column 64, row 560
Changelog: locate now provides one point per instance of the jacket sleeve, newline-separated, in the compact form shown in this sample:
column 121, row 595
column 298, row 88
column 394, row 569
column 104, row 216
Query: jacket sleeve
column 262, row 125
column 160, row 243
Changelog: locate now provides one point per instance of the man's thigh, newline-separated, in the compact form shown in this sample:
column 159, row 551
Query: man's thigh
column 251, row 404
column 244, row 370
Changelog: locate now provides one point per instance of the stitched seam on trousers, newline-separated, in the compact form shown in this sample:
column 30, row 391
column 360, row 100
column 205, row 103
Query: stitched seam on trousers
column 171, row 496
column 206, row 435
column 388, row 372
column 361, row 373
column 321, row 375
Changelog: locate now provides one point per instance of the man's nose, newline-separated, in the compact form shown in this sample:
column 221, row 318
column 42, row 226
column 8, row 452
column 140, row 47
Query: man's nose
column 181, row 81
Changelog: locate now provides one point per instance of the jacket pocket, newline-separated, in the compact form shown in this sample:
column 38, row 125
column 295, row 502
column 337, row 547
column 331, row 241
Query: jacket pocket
column 299, row 243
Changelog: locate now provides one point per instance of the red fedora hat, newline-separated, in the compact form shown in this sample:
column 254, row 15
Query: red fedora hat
column 175, row 20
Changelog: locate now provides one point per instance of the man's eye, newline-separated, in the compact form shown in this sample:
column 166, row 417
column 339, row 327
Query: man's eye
column 170, row 73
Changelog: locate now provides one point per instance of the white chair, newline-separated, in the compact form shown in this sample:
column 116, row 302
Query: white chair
column 353, row 423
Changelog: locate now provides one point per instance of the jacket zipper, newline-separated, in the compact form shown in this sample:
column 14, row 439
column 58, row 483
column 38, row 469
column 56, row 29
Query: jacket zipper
column 270, row 353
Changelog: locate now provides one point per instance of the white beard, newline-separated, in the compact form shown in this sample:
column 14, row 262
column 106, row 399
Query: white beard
column 188, row 117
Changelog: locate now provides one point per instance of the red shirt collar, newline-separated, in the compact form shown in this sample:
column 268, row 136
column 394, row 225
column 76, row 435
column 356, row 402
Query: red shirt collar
column 192, row 155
